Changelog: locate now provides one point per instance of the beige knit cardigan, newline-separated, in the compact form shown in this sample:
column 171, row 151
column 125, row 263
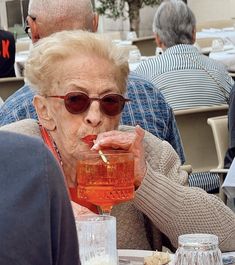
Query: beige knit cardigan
column 173, row 208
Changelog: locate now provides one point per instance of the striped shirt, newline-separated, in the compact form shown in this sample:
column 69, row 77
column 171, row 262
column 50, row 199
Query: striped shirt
column 187, row 78
column 149, row 109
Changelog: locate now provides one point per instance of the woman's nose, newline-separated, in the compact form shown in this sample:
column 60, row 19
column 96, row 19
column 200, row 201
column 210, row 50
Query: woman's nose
column 94, row 116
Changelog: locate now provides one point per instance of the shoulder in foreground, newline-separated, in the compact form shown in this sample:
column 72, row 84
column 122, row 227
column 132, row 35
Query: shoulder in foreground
column 14, row 142
column 28, row 127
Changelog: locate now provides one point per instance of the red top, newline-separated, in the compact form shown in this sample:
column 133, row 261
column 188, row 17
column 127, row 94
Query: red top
column 73, row 191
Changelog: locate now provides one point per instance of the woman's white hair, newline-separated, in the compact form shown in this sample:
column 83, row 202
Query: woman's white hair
column 49, row 53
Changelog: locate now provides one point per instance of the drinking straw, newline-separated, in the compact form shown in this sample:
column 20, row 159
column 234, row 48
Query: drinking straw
column 104, row 158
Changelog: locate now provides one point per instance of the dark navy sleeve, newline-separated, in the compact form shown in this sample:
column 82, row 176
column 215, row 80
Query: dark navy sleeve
column 36, row 220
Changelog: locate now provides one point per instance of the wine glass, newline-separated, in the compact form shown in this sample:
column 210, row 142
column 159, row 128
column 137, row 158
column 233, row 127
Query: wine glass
column 105, row 178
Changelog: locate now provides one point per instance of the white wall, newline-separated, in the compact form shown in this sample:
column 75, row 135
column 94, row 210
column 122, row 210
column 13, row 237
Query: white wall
column 206, row 10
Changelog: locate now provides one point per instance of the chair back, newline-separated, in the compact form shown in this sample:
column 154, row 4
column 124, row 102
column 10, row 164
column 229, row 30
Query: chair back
column 197, row 137
column 219, row 126
column 9, row 85
column 146, row 45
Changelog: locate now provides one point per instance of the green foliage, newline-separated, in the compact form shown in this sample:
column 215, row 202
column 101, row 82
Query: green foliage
column 116, row 9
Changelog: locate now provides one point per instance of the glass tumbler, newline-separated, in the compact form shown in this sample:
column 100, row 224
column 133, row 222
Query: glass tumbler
column 198, row 249
column 97, row 239
column 217, row 45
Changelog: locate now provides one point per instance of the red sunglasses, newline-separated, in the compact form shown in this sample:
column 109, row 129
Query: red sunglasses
column 77, row 102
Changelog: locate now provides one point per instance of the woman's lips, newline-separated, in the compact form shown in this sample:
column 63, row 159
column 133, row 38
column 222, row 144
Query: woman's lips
column 89, row 139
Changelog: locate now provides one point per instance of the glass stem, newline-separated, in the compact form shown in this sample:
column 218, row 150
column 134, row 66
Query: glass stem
column 104, row 210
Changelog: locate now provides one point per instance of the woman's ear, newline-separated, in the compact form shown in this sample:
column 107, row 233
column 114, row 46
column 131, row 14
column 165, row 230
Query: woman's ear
column 41, row 105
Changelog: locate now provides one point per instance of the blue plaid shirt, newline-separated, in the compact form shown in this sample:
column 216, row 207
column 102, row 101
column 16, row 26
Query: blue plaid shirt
column 148, row 108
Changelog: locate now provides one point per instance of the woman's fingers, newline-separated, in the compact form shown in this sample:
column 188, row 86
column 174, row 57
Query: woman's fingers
column 114, row 139
column 139, row 136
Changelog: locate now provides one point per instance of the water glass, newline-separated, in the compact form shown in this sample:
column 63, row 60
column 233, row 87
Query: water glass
column 217, row 45
column 97, row 239
column 134, row 56
column 131, row 35
column 198, row 249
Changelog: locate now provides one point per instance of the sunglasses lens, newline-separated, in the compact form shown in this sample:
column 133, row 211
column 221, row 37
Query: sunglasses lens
column 112, row 104
column 77, row 103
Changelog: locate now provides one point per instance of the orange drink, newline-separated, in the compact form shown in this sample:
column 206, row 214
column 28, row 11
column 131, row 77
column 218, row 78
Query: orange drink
column 107, row 179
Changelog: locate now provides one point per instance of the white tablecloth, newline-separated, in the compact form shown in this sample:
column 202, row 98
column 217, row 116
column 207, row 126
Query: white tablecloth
column 227, row 34
column 138, row 255
column 225, row 57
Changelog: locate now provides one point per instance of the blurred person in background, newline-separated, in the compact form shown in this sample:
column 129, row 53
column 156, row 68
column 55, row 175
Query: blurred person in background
column 186, row 78
column 7, row 54
column 148, row 107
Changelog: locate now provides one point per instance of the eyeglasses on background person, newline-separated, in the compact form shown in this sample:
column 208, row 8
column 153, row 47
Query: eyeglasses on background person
column 77, row 102
column 27, row 27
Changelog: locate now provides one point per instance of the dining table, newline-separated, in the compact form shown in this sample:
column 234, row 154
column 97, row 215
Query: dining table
column 226, row 34
column 226, row 56
column 136, row 257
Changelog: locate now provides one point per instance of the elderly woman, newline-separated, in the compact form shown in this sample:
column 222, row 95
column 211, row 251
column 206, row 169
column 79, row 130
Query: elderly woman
column 80, row 81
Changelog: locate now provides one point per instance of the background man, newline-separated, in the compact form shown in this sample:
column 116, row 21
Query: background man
column 7, row 54
column 186, row 78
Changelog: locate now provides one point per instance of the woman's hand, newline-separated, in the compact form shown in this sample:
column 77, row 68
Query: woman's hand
column 79, row 210
column 130, row 141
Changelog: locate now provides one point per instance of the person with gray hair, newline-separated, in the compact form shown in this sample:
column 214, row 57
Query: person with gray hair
column 180, row 29
column 46, row 17
column 186, row 78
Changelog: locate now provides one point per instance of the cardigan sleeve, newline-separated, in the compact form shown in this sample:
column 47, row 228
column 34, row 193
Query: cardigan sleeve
column 176, row 209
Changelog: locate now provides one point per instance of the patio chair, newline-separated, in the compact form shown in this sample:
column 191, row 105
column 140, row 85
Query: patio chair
column 219, row 126
column 9, row 85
